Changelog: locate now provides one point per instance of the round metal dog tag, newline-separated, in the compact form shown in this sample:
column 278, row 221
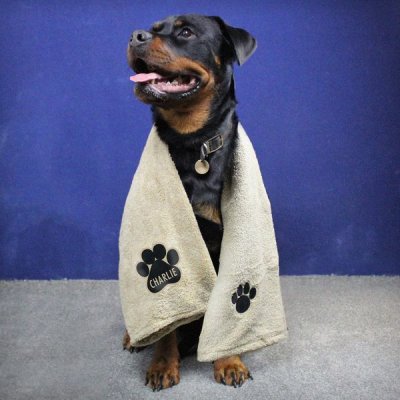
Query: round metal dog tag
column 202, row 167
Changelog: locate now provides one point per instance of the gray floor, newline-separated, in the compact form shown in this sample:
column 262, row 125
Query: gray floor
column 62, row 340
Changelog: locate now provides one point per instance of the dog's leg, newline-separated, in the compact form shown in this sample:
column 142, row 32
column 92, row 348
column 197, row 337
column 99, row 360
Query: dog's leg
column 231, row 371
column 126, row 342
column 164, row 368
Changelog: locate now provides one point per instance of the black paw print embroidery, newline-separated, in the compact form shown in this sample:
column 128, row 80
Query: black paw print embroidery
column 241, row 298
column 160, row 273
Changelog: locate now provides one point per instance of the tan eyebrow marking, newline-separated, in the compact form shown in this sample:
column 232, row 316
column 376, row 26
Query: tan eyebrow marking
column 157, row 26
column 178, row 23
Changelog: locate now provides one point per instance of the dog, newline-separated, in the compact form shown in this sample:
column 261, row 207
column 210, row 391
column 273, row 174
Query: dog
column 184, row 70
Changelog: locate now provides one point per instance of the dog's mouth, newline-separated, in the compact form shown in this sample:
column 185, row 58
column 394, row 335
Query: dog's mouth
column 167, row 84
column 161, row 84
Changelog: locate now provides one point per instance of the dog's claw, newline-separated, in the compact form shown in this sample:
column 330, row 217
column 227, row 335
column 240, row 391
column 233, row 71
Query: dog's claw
column 223, row 381
column 160, row 385
column 250, row 377
column 241, row 379
column 233, row 379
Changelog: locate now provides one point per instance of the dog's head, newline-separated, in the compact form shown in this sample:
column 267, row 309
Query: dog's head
column 184, row 60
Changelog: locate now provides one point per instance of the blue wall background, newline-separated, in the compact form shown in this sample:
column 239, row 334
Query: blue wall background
column 319, row 98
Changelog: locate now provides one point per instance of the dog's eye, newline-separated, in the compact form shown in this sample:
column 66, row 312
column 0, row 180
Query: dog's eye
column 186, row 33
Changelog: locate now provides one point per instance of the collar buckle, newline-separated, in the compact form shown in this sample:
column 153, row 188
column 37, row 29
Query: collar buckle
column 210, row 146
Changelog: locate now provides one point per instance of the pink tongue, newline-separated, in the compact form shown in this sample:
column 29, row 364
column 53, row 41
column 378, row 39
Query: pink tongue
column 139, row 78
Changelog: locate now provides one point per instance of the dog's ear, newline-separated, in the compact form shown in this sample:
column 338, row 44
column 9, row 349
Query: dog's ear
column 241, row 42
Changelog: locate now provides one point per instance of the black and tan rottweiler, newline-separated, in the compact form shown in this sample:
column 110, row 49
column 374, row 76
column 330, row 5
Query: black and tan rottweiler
column 184, row 69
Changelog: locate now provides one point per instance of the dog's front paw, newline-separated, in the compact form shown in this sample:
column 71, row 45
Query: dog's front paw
column 231, row 371
column 126, row 342
column 163, row 374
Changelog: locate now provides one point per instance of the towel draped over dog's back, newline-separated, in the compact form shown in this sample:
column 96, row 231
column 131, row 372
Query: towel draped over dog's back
column 166, row 275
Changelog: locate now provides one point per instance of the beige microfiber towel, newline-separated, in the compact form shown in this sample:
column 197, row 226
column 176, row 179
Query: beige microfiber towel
column 166, row 275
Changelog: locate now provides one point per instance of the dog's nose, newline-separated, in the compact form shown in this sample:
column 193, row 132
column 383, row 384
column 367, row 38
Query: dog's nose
column 138, row 37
